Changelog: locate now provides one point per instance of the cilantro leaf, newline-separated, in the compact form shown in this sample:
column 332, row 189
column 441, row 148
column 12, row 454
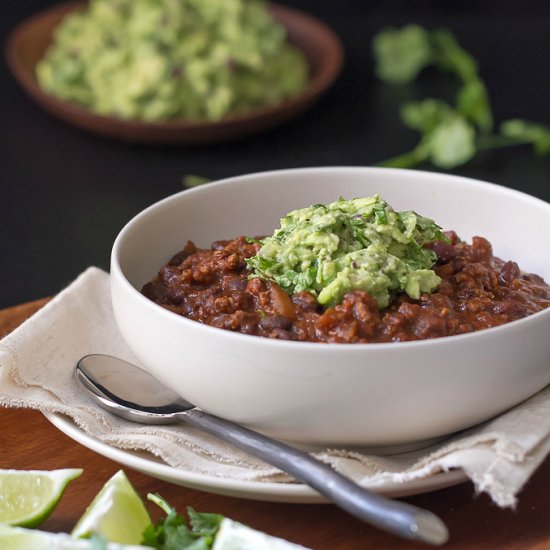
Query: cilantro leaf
column 452, row 142
column 448, row 139
column 173, row 532
column 426, row 115
column 178, row 536
column 204, row 524
column 380, row 215
column 401, row 53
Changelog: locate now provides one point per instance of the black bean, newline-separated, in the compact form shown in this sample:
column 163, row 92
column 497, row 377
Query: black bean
column 445, row 252
column 275, row 322
column 236, row 283
column 280, row 334
column 508, row 272
column 178, row 258
column 306, row 301
column 176, row 295
column 218, row 245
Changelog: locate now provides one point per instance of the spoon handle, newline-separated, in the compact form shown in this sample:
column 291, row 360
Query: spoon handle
column 394, row 516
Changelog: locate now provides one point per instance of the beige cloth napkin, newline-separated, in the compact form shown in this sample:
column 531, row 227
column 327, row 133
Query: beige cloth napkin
column 36, row 371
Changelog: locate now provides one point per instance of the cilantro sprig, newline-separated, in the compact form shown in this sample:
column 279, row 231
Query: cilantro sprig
column 174, row 532
column 450, row 135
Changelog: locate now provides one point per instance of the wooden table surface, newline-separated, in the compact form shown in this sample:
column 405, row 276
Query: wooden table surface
column 29, row 441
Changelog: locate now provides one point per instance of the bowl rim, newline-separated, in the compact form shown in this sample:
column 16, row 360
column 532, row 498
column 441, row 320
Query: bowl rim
column 318, row 83
column 246, row 339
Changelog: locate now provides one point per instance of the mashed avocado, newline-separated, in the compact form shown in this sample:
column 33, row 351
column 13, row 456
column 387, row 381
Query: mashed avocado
column 163, row 59
column 358, row 244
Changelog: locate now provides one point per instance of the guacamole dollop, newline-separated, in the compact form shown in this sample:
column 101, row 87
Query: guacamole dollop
column 163, row 59
column 358, row 244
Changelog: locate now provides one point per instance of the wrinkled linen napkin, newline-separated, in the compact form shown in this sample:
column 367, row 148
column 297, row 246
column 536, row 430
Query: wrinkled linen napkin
column 37, row 361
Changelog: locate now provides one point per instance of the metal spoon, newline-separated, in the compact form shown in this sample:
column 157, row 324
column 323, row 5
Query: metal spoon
column 131, row 393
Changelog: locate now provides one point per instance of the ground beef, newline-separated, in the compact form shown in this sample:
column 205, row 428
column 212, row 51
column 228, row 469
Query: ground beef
column 477, row 291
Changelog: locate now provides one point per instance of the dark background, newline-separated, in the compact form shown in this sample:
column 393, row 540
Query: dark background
column 65, row 194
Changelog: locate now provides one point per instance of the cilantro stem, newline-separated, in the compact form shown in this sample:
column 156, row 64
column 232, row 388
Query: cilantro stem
column 416, row 156
column 161, row 503
column 492, row 141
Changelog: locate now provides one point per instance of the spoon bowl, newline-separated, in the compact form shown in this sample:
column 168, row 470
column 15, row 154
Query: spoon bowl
column 145, row 400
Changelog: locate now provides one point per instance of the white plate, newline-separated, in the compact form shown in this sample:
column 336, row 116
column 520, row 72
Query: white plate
column 256, row 490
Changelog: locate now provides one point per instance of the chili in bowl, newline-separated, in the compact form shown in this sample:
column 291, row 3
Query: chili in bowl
column 351, row 371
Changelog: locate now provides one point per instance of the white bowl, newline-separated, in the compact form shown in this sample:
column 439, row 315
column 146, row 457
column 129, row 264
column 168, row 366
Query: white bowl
column 375, row 395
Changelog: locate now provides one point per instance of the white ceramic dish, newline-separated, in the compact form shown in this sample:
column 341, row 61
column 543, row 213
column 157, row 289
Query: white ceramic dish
column 334, row 394
column 255, row 490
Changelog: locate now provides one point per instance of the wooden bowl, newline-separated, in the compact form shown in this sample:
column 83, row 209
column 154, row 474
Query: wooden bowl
column 28, row 42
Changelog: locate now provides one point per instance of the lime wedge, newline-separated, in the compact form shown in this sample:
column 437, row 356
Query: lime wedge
column 17, row 538
column 117, row 512
column 236, row 536
column 28, row 497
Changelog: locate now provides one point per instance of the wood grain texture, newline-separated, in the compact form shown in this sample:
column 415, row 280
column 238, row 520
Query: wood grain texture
column 12, row 317
column 29, row 441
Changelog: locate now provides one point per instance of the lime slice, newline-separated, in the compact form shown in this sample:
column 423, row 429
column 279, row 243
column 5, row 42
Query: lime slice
column 117, row 512
column 28, row 497
column 17, row 538
column 236, row 536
